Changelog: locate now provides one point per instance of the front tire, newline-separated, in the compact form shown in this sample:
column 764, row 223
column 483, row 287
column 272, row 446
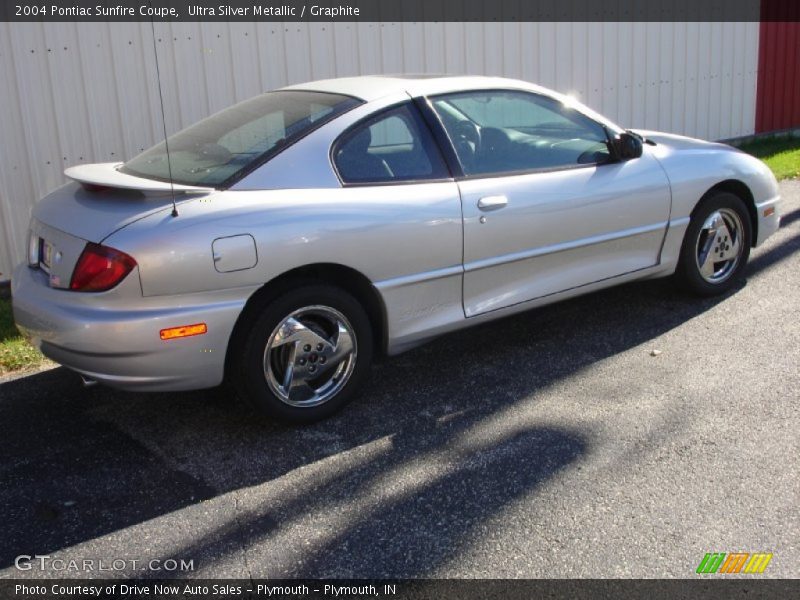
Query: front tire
column 716, row 246
column 305, row 354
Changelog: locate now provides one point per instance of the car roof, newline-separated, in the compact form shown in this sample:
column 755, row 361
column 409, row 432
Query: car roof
column 372, row 87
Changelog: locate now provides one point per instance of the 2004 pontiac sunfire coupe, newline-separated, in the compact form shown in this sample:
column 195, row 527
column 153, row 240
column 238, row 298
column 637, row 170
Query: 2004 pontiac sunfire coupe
column 324, row 222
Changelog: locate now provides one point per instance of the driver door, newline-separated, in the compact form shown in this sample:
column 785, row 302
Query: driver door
column 545, row 207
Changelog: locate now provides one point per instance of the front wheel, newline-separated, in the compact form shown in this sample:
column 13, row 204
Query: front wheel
column 305, row 354
column 717, row 245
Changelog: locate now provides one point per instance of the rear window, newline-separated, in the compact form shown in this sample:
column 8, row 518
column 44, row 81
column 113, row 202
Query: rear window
column 219, row 150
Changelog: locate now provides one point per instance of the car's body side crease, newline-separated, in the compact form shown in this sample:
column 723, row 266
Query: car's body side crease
column 570, row 245
column 415, row 278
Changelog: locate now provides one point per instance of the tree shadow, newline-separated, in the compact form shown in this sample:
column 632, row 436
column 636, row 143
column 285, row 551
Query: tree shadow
column 402, row 513
column 82, row 463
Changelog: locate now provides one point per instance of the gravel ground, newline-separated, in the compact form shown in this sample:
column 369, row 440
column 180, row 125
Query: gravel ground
column 550, row 444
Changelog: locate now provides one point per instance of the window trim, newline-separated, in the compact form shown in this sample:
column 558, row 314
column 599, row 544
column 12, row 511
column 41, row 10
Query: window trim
column 375, row 116
column 439, row 133
column 273, row 152
column 463, row 176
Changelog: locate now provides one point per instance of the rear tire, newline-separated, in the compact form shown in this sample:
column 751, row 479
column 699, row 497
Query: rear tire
column 305, row 354
column 716, row 245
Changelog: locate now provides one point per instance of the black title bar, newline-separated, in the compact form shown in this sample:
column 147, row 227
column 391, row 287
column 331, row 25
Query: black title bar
column 400, row 10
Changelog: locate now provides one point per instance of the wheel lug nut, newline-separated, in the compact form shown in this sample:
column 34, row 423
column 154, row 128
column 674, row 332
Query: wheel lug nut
column 307, row 348
column 320, row 347
column 302, row 361
column 322, row 360
column 312, row 368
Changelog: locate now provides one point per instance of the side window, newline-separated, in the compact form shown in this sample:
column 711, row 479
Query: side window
column 505, row 131
column 393, row 146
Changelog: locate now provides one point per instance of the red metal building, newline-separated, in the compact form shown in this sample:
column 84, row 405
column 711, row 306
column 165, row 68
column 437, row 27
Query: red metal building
column 778, row 91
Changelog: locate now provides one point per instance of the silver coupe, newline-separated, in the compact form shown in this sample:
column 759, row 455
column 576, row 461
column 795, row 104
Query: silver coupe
column 283, row 242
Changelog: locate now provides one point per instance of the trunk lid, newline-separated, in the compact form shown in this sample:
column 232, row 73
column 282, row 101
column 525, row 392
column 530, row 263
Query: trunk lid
column 93, row 216
column 99, row 201
column 103, row 200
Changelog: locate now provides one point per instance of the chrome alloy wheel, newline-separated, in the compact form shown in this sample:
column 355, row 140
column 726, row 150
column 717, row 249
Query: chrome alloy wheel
column 310, row 356
column 719, row 245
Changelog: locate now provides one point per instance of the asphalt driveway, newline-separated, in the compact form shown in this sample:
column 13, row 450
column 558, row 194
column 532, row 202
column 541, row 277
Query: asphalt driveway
column 623, row 434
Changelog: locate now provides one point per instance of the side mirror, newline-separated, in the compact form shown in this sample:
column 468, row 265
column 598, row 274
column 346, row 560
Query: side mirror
column 627, row 146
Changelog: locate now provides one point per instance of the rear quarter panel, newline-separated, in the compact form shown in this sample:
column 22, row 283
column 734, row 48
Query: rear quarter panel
column 383, row 232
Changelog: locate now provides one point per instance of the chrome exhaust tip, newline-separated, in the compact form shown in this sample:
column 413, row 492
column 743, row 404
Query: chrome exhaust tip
column 87, row 381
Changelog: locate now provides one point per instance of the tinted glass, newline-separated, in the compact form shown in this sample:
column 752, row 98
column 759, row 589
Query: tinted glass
column 503, row 131
column 216, row 150
column 393, row 146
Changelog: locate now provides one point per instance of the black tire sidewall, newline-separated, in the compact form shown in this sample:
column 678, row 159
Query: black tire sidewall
column 688, row 271
column 250, row 380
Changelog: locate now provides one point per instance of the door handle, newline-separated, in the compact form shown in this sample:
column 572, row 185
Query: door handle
column 488, row 203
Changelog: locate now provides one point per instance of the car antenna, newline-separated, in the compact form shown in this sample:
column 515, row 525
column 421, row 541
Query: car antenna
column 163, row 117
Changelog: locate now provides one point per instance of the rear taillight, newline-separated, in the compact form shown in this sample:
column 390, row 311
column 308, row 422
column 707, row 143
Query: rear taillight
column 100, row 268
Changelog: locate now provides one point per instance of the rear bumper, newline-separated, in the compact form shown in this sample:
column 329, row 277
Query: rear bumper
column 113, row 337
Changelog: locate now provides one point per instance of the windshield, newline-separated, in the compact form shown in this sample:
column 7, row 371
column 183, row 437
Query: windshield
column 229, row 144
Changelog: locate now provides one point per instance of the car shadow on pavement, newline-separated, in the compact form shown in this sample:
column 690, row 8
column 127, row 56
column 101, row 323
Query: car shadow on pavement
column 790, row 217
column 436, row 445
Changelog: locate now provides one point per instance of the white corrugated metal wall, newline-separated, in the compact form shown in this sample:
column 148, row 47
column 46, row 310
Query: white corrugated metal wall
column 87, row 92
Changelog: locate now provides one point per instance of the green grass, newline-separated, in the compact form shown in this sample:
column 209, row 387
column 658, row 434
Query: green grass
column 16, row 353
column 781, row 154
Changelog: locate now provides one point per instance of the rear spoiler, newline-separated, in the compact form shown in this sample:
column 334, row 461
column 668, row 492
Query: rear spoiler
column 107, row 175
